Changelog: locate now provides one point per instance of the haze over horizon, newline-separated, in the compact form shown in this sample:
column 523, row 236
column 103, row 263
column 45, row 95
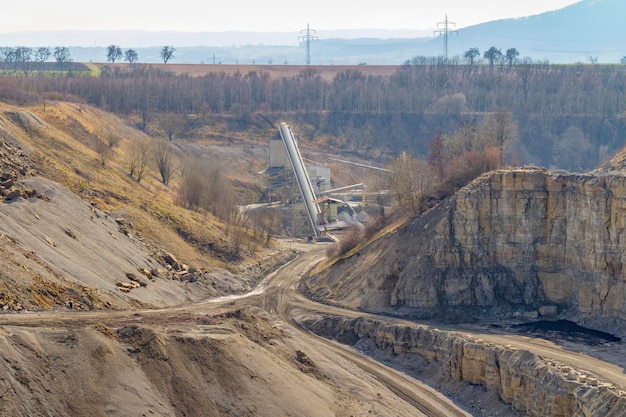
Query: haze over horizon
column 253, row 16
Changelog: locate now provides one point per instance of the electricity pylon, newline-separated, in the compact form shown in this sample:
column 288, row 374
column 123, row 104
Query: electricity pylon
column 308, row 37
column 445, row 32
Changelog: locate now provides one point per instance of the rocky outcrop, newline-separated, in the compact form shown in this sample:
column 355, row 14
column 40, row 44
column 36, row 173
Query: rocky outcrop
column 532, row 385
column 512, row 240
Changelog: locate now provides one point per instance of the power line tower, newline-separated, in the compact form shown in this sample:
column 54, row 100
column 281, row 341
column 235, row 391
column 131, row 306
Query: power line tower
column 309, row 35
column 445, row 32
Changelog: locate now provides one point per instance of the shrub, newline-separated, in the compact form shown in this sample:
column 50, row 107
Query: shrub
column 350, row 238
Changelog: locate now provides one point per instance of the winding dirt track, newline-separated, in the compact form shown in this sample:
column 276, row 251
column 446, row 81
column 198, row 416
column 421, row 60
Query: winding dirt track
column 278, row 295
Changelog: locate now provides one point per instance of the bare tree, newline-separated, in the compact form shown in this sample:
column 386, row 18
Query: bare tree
column 166, row 161
column 24, row 59
column 114, row 53
column 203, row 185
column 62, row 56
column 171, row 124
column 493, row 55
column 139, row 159
column 102, row 149
column 410, row 182
column 193, row 184
column 266, row 223
column 511, row 56
column 471, row 54
column 499, row 129
column 436, row 157
column 167, row 53
column 131, row 56
column 112, row 139
column 42, row 54
column 7, row 54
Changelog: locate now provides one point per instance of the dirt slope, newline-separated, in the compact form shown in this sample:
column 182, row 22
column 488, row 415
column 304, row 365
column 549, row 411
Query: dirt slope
column 65, row 246
column 182, row 369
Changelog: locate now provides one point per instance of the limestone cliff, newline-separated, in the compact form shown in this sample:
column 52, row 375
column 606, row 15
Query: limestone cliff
column 512, row 240
column 531, row 385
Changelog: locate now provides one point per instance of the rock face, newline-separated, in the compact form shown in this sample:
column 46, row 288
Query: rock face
column 512, row 240
column 530, row 384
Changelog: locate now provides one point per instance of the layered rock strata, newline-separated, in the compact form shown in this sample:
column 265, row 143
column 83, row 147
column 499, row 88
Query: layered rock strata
column 512, row 240
column 532, row 385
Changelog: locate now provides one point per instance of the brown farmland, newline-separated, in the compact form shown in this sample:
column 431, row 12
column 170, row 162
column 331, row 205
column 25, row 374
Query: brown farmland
column 327, row 72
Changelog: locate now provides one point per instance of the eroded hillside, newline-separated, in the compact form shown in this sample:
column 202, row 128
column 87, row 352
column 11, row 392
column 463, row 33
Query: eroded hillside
column 78, row 232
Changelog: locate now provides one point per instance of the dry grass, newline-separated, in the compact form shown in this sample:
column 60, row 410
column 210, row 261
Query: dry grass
column 65, row 151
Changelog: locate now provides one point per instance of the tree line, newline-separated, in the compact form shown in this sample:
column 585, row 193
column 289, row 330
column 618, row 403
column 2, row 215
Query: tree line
column 560, row 109
column 114, row 54
column 22, row 58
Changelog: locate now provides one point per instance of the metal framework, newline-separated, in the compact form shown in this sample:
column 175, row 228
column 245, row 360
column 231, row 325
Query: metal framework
column 308, row 37
column 445, row 32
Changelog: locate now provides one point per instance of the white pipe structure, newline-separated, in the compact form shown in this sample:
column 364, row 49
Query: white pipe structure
column 357, row 164
column 347, row 187
column 302, row 177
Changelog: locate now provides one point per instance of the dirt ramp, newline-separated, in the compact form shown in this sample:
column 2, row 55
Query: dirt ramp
column 26, row 120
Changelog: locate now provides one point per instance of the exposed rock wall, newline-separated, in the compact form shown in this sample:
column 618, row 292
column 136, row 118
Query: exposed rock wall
column 530, row 384
column 510, row 240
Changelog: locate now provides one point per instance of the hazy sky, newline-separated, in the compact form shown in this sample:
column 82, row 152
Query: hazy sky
column 257, row 15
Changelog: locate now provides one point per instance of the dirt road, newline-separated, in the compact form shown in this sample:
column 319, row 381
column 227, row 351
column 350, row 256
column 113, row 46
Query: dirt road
column 362, row 385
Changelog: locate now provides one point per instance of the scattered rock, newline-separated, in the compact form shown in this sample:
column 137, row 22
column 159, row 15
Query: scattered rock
column 548, row 311
column 172, row 261
column 135, row 280
column 13, row 194
column 144, row 272
column 530, row 315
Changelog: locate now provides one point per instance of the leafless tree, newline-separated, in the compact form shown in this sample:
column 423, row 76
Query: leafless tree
column 42, row 54
column 24, row 59
column 410, row 182
column 471, row 55
column 139, row 158
column 102, row 149
column 499, row 129
column 131, row 56
column 112, row 139
column 114, row 53
column 193, row 187
column 166, row 161
column 62, row 55
column 172, row 124
column 167, row 53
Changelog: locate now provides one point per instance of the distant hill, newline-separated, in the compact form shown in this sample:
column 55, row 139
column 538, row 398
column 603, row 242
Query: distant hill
column 587, row 31
column 590, row 29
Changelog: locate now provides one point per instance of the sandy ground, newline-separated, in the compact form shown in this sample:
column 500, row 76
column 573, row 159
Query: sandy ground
column 240, row 355
column 171, row 348
column 235, row 356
